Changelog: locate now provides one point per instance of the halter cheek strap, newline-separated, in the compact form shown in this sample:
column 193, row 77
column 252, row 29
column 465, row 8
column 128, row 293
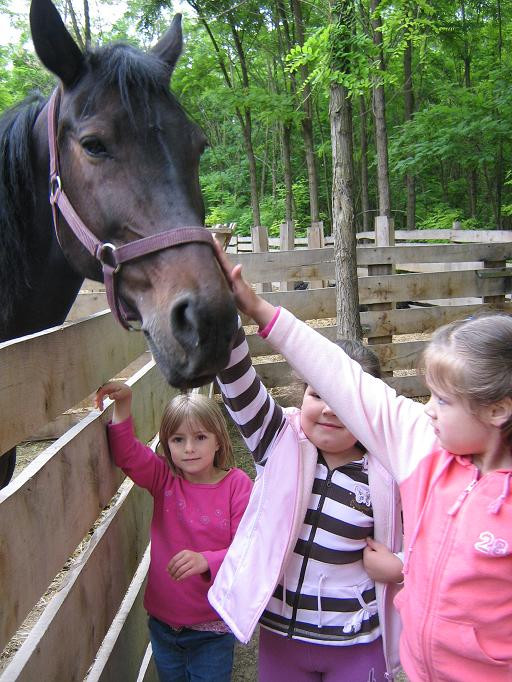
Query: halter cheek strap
column 111, row 257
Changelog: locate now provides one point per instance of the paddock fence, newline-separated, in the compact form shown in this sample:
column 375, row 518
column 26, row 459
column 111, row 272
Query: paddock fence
column 74, row 531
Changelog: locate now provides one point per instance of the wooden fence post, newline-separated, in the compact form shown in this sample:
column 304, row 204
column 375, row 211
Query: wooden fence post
column 316, row 240
column 259, row 236
column 496, row 301
column 384, row 236
column 286, row 243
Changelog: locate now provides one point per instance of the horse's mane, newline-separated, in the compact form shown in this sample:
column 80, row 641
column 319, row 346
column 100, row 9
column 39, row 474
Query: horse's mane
column 16, row 199
column 135, row 75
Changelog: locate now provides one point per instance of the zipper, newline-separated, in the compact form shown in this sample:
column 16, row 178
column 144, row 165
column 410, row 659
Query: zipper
column 314, row 527
column 445, row 544
column 385, row 612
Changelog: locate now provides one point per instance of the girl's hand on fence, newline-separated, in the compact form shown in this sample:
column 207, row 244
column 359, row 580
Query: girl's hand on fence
column 246, row 298
column 381, row 564
column 187, row 563
column 121, row 394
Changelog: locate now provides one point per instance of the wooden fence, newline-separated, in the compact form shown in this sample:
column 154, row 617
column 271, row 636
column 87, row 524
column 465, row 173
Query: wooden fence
column 71, row 500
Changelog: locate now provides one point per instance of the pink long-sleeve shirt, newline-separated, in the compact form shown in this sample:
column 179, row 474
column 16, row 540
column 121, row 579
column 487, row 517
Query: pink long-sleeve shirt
column 201, row 517
column 456, row 604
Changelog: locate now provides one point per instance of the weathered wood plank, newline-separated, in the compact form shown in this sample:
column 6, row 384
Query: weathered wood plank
column 394, row 322
column 301, row 264
column 391, row 355
column 49, row 372
column 429, row 286
column 122, row 651
column 320, row 303
column 278, row 374
column 148, row 672
column 47, row 510
column 63, row 643
column 472, row 236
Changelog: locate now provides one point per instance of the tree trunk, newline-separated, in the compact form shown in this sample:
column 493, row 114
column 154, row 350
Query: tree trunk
column 244, row 117
column 379, row 111
column 340, row 115
column 307, row 120
column 287, row 171
column 284, row 41
column 76, row 27
column 410, row 181
column 363, row 135
column 347, row 295
column 87, row 25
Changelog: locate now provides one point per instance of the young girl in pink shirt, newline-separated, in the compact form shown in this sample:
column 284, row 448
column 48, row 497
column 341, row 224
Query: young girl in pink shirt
column 199, row 499
column 453, row 462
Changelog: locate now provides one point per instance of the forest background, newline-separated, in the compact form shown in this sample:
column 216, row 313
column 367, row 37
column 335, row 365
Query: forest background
column 418, row 94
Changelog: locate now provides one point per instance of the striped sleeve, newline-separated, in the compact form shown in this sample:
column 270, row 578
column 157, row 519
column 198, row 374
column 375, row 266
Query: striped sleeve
column 258, row 417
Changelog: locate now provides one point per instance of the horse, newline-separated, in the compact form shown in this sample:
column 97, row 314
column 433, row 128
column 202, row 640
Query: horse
column 125, row 161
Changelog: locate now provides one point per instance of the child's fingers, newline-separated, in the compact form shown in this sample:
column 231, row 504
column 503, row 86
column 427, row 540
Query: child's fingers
column 176, row 562
column 372, row 544
column 112, row 390
column 224, row 262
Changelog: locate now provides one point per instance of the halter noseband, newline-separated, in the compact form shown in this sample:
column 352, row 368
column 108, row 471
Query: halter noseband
column 111, row 257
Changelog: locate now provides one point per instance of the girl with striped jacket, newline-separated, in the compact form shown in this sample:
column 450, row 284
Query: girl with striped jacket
column 310, row 560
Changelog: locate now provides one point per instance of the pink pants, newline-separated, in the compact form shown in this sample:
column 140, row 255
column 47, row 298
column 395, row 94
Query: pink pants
column 281, row 658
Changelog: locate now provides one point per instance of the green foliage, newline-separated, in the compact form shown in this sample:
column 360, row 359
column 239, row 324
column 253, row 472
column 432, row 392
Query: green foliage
column 461, row 130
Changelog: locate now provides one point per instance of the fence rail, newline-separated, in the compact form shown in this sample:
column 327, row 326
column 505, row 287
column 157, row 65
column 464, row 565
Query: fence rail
column 72, row 496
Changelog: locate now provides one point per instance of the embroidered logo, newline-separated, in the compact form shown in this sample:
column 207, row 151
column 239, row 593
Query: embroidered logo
column 362, row 495
column 491, row 545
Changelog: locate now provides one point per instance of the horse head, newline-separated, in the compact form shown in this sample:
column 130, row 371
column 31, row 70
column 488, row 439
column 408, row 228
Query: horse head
column 129, row 164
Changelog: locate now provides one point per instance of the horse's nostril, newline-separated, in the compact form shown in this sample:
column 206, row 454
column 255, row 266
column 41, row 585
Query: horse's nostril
column 184, row 323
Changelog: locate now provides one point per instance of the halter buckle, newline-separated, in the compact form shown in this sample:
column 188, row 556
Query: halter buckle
column 102, row 251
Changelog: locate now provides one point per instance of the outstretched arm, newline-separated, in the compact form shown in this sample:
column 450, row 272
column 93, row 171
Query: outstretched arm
column 258, row 417
column 389, row 426
column 137, row 460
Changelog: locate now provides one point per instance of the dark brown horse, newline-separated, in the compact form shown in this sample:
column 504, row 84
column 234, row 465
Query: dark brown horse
column 129, row 161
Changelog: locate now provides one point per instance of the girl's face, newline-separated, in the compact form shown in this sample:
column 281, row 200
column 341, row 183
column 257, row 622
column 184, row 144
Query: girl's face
column 324, row 429
column 459, row 430
column 193, row 452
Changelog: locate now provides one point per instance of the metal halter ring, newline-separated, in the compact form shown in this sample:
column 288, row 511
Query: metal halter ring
column 55, row 188
column 100, row 255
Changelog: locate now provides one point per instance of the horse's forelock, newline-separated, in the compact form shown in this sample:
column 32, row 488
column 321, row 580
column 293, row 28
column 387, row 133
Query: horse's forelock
column 16, row 199
column 135, row 75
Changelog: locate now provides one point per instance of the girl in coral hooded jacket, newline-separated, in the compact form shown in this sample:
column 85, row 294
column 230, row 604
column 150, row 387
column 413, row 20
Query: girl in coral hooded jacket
column 453, row 462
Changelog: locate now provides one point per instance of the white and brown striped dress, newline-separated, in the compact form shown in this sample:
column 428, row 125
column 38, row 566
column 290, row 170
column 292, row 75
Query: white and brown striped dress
column 324, row 595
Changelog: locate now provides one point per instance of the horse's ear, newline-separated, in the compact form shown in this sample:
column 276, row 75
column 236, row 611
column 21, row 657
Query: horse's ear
column 170, row 44
column 53, row 43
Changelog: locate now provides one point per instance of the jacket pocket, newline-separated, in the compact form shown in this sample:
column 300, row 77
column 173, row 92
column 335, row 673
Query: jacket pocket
column 458, row 646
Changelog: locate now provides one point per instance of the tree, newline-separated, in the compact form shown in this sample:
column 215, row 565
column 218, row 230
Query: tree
column 340, row 113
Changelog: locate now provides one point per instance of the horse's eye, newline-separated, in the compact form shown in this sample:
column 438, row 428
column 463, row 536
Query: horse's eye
column 93, row 146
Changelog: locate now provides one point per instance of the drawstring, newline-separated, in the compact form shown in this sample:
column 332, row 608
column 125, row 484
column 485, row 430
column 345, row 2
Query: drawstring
column 458, row 502
column 420, row 518
column 319, row 600
column 366, row 611
column 494, row 507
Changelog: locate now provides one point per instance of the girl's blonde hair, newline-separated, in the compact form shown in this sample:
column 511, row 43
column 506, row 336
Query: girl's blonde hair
column 197, row 409
column 472, row 359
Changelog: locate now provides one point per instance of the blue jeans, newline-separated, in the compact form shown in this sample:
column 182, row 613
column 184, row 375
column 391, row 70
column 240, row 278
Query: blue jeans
column 191, row 655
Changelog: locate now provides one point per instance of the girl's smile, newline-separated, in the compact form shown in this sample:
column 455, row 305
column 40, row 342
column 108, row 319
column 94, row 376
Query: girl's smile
column 323, row 428
column 193, row 451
